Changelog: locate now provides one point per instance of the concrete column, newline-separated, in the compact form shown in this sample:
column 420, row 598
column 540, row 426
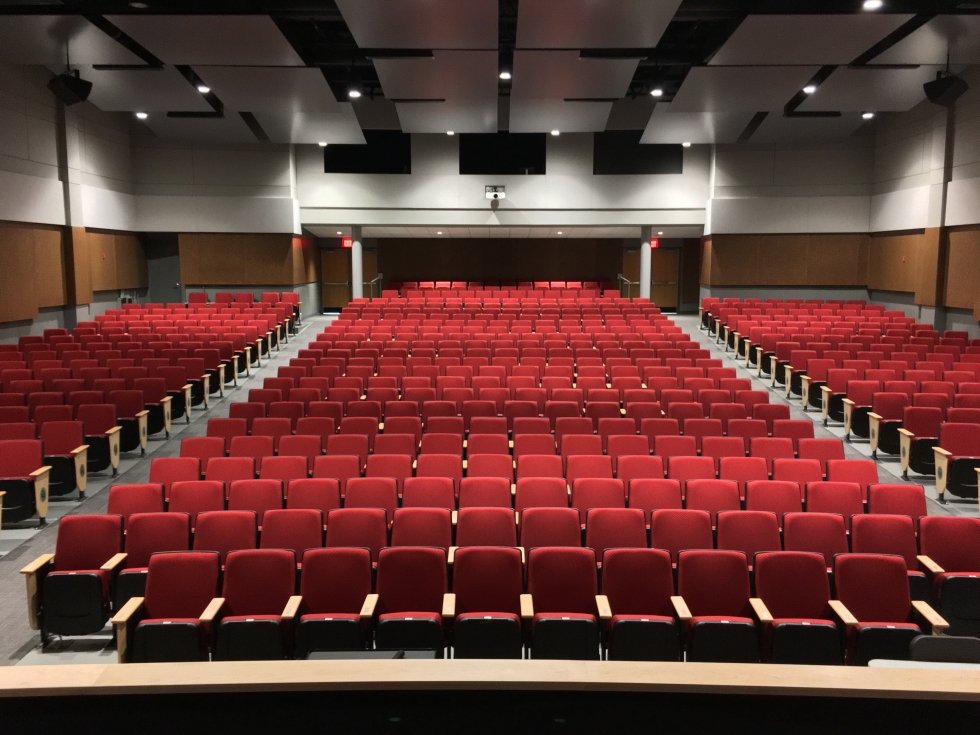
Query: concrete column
column 645, row 234
column 356, row 264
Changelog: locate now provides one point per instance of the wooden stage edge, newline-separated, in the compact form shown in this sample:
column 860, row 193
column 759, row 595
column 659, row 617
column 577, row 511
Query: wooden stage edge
column 487, row 675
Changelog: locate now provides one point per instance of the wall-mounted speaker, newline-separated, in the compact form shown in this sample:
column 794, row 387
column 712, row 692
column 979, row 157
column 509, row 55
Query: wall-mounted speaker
column 944, row 90
column 70, row 88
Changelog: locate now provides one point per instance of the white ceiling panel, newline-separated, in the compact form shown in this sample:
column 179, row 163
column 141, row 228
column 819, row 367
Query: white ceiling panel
column 270, row 88
column 228, row 129
column 210, row 39
column 694, row 127
column 740, row 88
column 460, row 116
column 545, row 115
column 958, row 34
column 805, row 39
column 42, row 39
column 581, row 24
column 778, row 129
column 147, row 90
column 894, row 90
column 284, row 126
column 563, row 75
column 426, row 24
column 447, row 75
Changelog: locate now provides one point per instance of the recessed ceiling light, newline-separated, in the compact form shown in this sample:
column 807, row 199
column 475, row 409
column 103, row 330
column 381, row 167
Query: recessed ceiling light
column 686, row 144
column 872, row 4
column 141, row 116
column 139, row 6
column 810, row 88
column 556, row 132
column 322, row 144
column 354, row 93
column 658, row 92
column 203, row 88
column 339, row 232
column 450, row 132
column 867, row 115
column 505, row 75
column 439, row 232
column 660, row 233
column 559, row 232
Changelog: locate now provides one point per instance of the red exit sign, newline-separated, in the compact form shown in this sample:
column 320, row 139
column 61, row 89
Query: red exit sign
column 654, row 243
column 347, row 242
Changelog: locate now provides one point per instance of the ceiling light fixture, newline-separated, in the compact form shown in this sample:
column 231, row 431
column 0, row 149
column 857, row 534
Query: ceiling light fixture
column 660, row 233
column 322, row 144
column 354, row 93
column 559, row 232
column 139, row 6
column 872, row 4
column 505, row 75
column 141, row 116
column 810, row 88
column 450, row 132
column 686, row 144
column 867, row 115
column 203, row 89
column 658, row 92
column 439, row 232
column 556, row 133
column 339, row 232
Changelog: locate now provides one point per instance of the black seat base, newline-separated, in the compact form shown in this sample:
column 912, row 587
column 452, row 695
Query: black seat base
column 795, row 643
column 18, row 503
column 574, row 639
column 487, row 637
column 249, row 640
column 73, row 604
column 159, row 642
column 733, row 642
column 959, row 604
column 327, row 635
column 421, row 634
column 882, row 642
column 638, row 640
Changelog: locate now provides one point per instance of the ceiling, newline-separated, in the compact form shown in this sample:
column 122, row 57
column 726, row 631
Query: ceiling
column 503, row 231
column 729, row 70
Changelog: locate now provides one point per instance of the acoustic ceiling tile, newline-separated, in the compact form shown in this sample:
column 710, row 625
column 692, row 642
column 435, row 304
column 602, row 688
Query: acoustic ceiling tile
column 694, row 127
column 460, row 116
column 285, row 126
column 871, row 89
column 959, row 35
column 807, row 130
column 448, row 75
column 151, row 90
column 545, row 115
column 563, row 75
column 44, row 39
column 578, row 24
column 210, row 39
column 433, row 24
column 740, row 88
column 270, row 88
column 228, row 129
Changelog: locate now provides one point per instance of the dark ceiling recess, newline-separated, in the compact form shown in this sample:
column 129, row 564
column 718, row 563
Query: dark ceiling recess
column 386, row 152
column 502, row 154
column 619, row 152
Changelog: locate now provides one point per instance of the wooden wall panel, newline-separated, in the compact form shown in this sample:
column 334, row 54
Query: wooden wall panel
column 18, row 292
column 963, row 269
column 306, row 260
column 706, row 251
column 49, row 267
column 78, row 266
column 691, row 265
column 734, row 260
column 102, row 259
column 892, row 258
column 500, row 259
column 837, row 260
column 131, row 268
column 782, row 259
column 240, row 260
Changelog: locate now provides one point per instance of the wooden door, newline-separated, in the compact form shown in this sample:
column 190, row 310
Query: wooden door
column 664, row 278
column 631, row 272
column 369, row 262
column 335, row 267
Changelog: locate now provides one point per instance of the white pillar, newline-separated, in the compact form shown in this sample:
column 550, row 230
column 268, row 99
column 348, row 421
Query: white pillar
column 645, row 234
column 356, row 264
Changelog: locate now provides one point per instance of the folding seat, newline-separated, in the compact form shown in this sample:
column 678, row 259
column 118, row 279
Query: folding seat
column 630, row 467
column 255, row 447
column 478, row 425
column 561, row 604
column 891, row 534
column 410, row 424
column 247, row 412
column 667, row 446
column 349, row 444
column 949, row 547
column 743, row 470
column 69, row 591
column 358, row 527
column 322, row 494
column 411, row 584
column 485, row 492
column 747, row 430
column 132, row 417
column 203, row 448
column 864, row 472
column 918, row 437
column 284, row 468
column 702, row 428
column 770, row 413
column 956, row 457
column 66, row 454
column 794, row 590
column 229, row 469
column 168, row 470
column 524, row 444
column 885, row 421
column 580, row 444
column 674, row 530
column 126, row 500
column 821, row 533
column 714, row 608
column 431, row 527
column 256, row 495
column 487, row 586
column 372, row 492
column 686, row 468
column 650, row 495
column 21, row 430
column 550, row 526
column 748, row 531
column 587, row 466
column 395, row 466
column 225, row 531
column 594, row 492
column 290, row 411
column 440, row 465
column 614, row 527
column 823, row 450
column 490, row 465
column 908, row 500
column 540, row 492
column 179, row 390
column 194, row 497
column 433, row 443
column 875, row 604
column 712, row 495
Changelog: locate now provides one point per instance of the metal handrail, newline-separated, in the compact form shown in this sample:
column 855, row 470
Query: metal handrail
column 629, row 286
column 375, row 283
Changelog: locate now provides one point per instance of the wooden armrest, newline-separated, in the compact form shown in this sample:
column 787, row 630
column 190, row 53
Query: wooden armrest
column 942, row 452
column 142, row 413
column 906, row 432
column 132, row 606
column 212, row 610
column 79, row 450
column 929, row 565
column 292, row 607
column 35, row 566
column 39, row 473
column 825, row 389
column 680, row 607
column 873, row 416
column 938, row 623
column 760, row 610
column 454, row 516
column 602, row 603
column 841, row 611
column 114, row 562
column 527, row 607
column 367, row 609
column 449, row 605
column 188, row 387
column 117, row 429
column 849, row 402
column 451, row 556
column 523, row 555
column 166, row 399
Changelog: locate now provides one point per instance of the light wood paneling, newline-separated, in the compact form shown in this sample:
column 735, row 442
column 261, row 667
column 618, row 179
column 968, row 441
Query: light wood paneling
column 131, row 269
column 117, row 261
column 78, row 267
column 49, row 267
column 18, row 290
column 892, row 260
column 837, row 260
column 963, row 271
column 241, row 260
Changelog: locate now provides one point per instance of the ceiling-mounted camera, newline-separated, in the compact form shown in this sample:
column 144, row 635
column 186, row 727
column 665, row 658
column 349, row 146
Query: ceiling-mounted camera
column 495, row 192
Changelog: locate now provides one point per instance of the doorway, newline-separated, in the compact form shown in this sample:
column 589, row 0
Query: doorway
column 665, row 277
column 335, row 270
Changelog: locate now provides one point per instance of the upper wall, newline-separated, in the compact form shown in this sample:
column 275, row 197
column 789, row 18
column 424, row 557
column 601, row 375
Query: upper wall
column 436, row 194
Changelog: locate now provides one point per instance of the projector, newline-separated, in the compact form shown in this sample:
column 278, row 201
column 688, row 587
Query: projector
column 70, row 88
column 944, row 90
column 495, row 192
